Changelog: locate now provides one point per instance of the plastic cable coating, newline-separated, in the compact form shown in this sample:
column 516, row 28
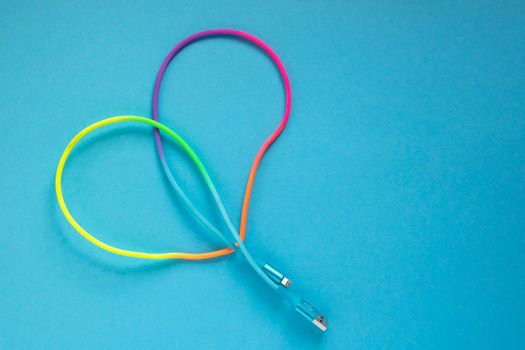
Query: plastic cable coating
column 143, row 255
column 275, row 279
column 260, row 153
column 238, row 237
column 91, row 238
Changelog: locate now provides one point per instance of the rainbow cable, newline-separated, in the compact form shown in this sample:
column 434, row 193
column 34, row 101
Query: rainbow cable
column 271, row 276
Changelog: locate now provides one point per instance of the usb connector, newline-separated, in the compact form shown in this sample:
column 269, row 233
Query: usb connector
column 312, row 315
column 299, row 304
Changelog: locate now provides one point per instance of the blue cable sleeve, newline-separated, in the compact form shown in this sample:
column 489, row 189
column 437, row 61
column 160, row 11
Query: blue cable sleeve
column 225, row 217
column 189, row 205
column 242, row 246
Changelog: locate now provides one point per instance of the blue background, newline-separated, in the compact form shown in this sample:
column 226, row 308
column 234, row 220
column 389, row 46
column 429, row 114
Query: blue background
column 395, row 198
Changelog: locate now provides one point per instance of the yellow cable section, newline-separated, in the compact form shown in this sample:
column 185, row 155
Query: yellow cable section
column 105, row 246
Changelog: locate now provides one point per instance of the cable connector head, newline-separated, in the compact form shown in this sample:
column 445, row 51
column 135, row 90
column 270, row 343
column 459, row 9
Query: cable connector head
column 285, row 282
column 321, row 322
column 312, row 315
column 277, row 276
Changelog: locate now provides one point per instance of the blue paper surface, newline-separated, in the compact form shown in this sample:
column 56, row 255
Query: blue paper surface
column 394, row 200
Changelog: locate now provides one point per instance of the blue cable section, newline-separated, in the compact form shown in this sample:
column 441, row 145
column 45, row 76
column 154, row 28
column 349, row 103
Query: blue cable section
column 225, row 217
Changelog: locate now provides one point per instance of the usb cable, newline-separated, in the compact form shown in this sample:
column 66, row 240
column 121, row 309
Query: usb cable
column 234, row 240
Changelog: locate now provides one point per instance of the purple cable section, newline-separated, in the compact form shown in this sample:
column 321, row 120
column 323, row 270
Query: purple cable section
column 239, row 236
column 216, row 32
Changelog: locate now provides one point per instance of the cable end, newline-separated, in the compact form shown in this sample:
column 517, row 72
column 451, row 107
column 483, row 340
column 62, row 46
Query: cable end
column 277, row 276
column 321, row 322
column 312, row 315
column 285, row 282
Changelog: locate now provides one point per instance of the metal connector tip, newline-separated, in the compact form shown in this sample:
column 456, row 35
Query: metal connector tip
column 286, row 282
column 277, row 276
column 321, row 322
